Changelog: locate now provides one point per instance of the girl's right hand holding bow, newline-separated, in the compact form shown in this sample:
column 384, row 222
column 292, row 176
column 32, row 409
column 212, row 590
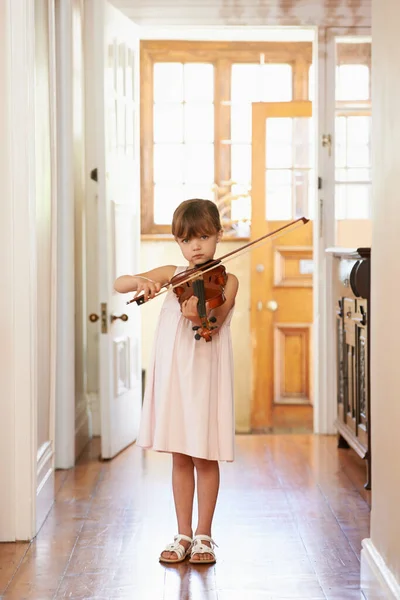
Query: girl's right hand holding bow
column 146, row 287
column 147, row 284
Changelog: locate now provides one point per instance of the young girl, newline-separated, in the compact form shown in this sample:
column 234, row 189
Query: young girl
column 188, row 405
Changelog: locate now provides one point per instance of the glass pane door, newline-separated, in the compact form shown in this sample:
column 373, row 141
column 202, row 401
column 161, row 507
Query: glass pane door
column 289, row 168
column 352, row 150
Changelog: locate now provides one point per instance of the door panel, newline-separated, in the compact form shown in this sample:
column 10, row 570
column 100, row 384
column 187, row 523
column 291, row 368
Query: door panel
column 114, row 55
column 281, row 276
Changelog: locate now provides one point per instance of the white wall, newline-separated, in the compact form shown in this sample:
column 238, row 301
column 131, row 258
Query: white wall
column 381, row 554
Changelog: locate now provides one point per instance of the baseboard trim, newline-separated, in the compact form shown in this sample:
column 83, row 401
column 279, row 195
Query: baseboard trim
column 93, row 403
column 377, row 581
column 45, row 483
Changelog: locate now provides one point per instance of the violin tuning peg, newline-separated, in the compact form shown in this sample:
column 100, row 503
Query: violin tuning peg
column 196, row 327
column 213, row 319
column 197, row 336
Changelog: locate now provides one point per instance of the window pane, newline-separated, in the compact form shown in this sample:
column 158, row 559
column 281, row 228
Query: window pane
column 358, row 130
column 245, row 83
column 279, row 148
column 279, row 156
column 352, row 82
column 168, row 163
column 353, row 175
column 241, row 208
column 199, row 122
column 241, row 163
column 168, row 82
column 358, row 156
column 192, row 190
column 241, row 123
column 166, row 199
column 276, row 82
column 340, row 141
column 199, row 163
column 257, row 82
column 340, row 131
column 199, row 82
column 168, row 123
column 280, row 130
column 303, row 142
column 278, row 187
column 301, row 181
column 352, row 201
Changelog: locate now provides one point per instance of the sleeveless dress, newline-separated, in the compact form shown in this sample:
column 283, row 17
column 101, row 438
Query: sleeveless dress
column 188, row 404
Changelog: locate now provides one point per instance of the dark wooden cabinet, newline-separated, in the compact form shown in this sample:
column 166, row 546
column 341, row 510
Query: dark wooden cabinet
column 353, row 317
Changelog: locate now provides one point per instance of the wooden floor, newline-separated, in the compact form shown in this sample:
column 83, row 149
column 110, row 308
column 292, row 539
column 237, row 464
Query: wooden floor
column 291, row 516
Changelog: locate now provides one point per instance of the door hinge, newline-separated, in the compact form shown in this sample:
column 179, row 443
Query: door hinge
column 94, row 174
column 320, row 183
column 103, row 316
column 326, row 141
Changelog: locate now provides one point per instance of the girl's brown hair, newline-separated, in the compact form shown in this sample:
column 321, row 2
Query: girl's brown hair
column 194, row 218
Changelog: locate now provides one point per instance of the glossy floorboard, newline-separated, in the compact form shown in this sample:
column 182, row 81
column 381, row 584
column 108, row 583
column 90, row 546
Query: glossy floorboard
column 291, row 516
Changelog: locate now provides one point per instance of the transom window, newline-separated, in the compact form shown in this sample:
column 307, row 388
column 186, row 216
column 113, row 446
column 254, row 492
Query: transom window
column 196, row 120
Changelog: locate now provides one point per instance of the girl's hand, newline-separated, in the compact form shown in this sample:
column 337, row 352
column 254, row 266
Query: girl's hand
column 146, row 287
column 189, row 309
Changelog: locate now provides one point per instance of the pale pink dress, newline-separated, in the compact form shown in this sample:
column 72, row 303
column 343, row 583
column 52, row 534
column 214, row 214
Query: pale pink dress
column 188, row 404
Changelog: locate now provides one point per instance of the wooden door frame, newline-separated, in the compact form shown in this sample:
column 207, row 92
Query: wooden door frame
column 325, row 407
column 24, row 504
column 260, row 112
column 65, row 409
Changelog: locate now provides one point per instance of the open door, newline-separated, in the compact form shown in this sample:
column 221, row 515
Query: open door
column 282, row 269
column 112, row 118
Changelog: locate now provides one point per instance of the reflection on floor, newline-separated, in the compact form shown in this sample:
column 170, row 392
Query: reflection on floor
column 291, row 516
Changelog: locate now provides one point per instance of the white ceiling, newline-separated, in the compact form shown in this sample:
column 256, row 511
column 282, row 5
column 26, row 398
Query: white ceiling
column 200, row 13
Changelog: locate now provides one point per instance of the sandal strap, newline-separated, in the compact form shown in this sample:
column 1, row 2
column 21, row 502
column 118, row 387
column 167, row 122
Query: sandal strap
column 197, row 540
column 180, row 537
column 177, row 547
column 199, row 548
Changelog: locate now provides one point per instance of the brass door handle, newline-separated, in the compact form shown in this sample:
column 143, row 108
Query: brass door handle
column 272, row 305
column 123, row 317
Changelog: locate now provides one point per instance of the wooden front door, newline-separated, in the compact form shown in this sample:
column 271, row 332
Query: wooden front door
column 281, row 276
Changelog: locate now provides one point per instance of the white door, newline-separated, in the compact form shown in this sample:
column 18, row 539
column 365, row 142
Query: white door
column 112, row 119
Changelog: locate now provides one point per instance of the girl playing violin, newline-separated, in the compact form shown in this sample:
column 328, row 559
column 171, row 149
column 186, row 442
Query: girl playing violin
column 188, row 407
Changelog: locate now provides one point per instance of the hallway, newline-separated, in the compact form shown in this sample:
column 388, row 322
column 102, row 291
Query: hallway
column 291, row 516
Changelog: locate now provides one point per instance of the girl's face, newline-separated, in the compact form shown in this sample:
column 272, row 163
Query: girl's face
column 198, row 250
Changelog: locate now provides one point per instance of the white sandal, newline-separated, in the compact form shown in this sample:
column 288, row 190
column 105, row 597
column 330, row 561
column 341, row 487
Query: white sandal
column 181, row 551
column 199, row 548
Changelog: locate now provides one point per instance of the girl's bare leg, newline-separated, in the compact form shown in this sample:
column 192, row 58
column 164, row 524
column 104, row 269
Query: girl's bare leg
column 183, row 489
column 207, row 494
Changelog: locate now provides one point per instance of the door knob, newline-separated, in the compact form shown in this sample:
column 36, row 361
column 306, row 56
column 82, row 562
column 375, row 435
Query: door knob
column 272, row 305
column 93, row 318
column 123, row 317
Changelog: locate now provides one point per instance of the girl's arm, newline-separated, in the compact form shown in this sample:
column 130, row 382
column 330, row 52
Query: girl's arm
column 149, row 283
column 189, row 308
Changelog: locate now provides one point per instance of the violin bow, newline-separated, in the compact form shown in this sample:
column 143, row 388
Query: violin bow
column 230, row 255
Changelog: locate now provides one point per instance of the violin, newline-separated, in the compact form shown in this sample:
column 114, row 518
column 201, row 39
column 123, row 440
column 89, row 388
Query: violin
column 207, row 282
column 208, row 288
